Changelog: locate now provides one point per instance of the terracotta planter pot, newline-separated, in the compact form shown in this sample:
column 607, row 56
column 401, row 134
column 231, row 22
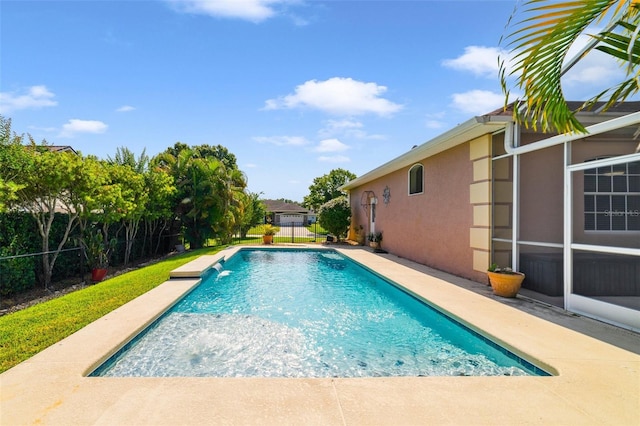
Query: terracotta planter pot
column 98, row 274
column 267, row 239
column 505, row 285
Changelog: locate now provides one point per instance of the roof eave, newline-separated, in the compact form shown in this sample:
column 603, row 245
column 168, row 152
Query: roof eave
column 470, row 129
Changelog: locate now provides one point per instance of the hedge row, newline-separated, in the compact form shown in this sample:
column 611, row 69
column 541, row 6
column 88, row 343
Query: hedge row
column 19, row 236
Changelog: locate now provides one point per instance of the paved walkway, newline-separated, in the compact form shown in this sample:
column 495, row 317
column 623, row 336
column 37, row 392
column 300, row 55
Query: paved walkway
column 617, row 336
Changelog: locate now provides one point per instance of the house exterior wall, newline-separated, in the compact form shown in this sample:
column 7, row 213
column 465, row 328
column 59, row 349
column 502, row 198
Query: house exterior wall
column 542, row 196
column 465, row 217
column 447, row 226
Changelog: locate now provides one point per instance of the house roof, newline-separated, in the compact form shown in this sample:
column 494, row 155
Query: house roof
column 53, row 148
column 475, row 127
column 279, row 206
column 61, row 148
column 470, row 129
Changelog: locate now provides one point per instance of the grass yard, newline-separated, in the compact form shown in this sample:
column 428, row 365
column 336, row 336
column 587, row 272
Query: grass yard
column 25, row 333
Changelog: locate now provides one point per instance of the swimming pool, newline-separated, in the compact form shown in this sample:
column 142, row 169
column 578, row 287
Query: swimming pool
column 306, row 313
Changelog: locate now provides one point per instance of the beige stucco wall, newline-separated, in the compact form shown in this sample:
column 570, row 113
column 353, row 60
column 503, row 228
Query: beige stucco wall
column 541, row 195
column 480, row 197
column 447, row 226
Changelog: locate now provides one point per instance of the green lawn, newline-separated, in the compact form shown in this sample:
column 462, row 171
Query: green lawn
column 25, row 333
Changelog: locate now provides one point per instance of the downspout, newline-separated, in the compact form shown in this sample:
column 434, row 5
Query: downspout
column 511, row 137
column 511, row 142
column 567, row 253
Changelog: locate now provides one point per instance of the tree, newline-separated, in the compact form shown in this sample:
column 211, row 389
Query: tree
column 325, row 188
column 205, row 151
column 335, row 216
column 54, row 181
column 254, row 213
column 200, row 207
column 124, row 156
column 159, row 210
column 148, row 190
column 286, row 200
column 109, row 204
column 231, row 186
column 196, row 203
column 14, row 160
column 210, row 194
column 135, row 195
column 541, row 41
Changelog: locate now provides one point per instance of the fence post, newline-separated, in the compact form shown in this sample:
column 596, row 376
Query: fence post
column 82, row 263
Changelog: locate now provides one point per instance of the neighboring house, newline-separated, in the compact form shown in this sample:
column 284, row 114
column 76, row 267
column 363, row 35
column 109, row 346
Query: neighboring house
column 565, row 210
column 283, row 213
column 61, row 148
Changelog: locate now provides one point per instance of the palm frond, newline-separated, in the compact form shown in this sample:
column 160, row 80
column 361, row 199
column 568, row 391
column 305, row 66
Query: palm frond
column 541, row 43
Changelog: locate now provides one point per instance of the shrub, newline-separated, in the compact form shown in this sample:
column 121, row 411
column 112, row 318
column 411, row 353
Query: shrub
column 17, row 274
column 335, row 216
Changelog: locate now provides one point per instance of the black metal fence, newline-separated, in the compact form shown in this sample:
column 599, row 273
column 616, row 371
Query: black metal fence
column 287, row 233
column 23, row 272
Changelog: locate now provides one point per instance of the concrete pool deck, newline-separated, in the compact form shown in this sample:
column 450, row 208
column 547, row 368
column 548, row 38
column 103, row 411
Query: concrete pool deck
column 594, row 383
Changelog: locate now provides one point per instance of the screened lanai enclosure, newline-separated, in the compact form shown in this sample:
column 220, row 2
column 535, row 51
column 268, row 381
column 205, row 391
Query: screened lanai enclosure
column 566, row 212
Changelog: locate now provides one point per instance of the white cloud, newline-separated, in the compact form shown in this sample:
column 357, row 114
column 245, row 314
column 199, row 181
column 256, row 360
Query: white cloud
column 249, row 10
column 331, row 145
column 42, row 129
column 75, row 126
column 346, row 128
column 592, row 73
column 341, row 125
column 434, row 124
column 125, row 108
column 36, row 97
column 251, row 165
column 342, row 96
column 435, row 121
column 477, row 102
column 334, row 159
column 596, row 70
column 282, row 140
column 479, row 60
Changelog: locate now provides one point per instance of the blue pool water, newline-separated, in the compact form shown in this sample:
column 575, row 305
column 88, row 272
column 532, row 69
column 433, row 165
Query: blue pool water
column 306, row 313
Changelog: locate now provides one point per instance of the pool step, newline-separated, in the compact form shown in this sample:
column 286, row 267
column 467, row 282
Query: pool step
column 196, row 268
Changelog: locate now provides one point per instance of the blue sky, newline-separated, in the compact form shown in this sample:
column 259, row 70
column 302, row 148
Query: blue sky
column 293, row 88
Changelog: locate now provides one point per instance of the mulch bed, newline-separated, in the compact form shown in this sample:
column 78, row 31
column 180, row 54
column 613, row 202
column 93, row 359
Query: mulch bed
column 39, row 295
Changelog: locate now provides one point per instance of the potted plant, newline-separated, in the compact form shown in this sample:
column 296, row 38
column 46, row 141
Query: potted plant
column 359, row 233
column 375, row 240
column 268, row 233
column 97, row 253
column 505, row 282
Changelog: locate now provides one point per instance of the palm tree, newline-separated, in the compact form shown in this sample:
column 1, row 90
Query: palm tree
column 540, row 44
column 231, row 189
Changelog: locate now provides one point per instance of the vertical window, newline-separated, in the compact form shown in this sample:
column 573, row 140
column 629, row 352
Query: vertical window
column 416, row 179
column 612, row 198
